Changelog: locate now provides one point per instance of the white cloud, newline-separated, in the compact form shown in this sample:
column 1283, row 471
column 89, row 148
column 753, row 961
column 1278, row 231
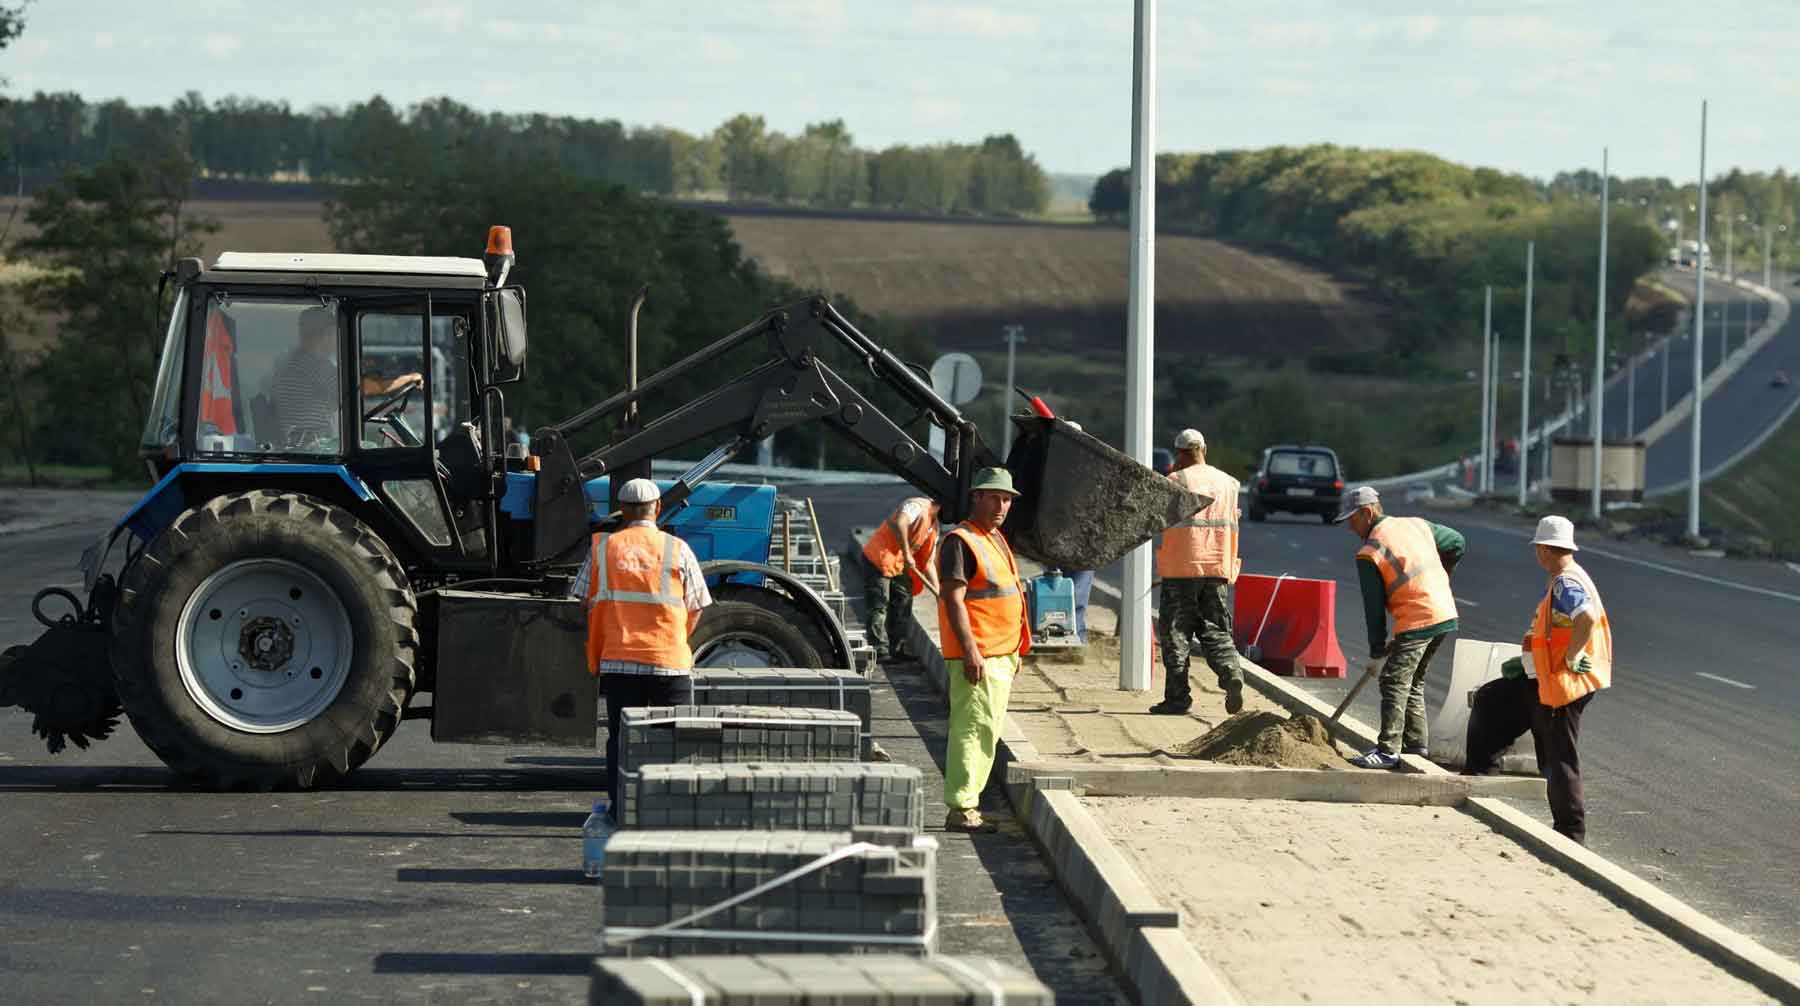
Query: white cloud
column 220, row 46
column 977, row 21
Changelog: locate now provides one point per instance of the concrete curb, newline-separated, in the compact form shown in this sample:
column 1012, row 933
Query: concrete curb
column 1731, row 950
column 1412, row 789
column 1139, row 934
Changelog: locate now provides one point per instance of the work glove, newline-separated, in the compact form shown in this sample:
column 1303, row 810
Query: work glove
column 1581, row 666
column 1513, row 668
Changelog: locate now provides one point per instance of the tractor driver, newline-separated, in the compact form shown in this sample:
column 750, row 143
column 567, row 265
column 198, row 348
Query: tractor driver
column 306, row 392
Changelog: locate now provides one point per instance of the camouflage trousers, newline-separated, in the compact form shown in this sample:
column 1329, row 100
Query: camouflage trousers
column 1195, row 607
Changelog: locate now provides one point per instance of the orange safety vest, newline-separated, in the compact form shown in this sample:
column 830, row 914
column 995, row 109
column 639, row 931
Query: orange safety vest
column 1418, row 588
column 1548, row 644
column 217, row 407
column 995, row 604
column 1206, row 544
column 638, row 601
column 884, row 551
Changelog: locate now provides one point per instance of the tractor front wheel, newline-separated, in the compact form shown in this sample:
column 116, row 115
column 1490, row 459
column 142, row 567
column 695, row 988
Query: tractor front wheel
column 265, row 640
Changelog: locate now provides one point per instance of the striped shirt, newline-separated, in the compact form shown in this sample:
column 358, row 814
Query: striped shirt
column 305, row 396
column 694, row 593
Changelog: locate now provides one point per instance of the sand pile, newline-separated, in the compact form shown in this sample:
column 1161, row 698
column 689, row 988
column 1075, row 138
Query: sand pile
column 1267, row 739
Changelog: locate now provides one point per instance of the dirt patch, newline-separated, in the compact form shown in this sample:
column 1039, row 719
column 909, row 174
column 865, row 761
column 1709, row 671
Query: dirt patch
column 1266, row 739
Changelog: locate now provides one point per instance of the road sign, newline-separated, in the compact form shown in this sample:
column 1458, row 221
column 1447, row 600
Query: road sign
column 957, row 377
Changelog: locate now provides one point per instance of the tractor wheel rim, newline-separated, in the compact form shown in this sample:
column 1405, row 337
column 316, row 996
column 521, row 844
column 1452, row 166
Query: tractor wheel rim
column 742, row 649
column 264, row 645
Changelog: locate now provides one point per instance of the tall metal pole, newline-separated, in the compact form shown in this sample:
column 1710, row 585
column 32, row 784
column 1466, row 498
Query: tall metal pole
column 1493, row 430
column 1525, row 379
column 1140, row 342
column 1693, row 523
column 1725, row 308
column 1598, row 424
column 1487, row 399
column 1768, row 247
column 1015, row 334
column 1668, row 342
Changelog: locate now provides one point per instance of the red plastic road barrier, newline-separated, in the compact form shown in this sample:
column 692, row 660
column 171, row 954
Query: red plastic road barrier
column 1300, row 638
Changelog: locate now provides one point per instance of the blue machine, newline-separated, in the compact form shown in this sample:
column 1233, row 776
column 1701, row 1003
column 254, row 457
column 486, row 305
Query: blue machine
column 1051, row 599
column 722, row 520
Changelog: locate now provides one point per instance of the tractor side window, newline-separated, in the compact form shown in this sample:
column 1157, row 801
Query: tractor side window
column 269, row 379
column 450, row 374
column 391, row 381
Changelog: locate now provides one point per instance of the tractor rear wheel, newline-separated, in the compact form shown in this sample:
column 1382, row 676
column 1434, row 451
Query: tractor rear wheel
column 265, row 640
column 745, row 634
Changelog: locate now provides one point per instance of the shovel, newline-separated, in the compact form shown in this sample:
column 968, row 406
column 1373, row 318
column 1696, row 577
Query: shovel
column 1368, row 672
column 1253, row 652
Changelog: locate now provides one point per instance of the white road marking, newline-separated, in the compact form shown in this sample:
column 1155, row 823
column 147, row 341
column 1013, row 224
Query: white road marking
column 1795, row 566
column 1464, row 600
column 1702, row 577
column 1725, row 681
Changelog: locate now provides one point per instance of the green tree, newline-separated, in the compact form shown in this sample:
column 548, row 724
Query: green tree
column 102, row 236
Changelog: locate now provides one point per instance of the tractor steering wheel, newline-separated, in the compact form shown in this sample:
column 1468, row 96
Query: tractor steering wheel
column 388, row 411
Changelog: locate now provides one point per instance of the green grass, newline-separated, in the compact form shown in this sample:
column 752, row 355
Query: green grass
column 1756, row 499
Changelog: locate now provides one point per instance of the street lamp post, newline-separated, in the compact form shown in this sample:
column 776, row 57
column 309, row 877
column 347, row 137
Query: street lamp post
column 1140, row 342
column 1525, row 379
column 1597, row 424
column 1015, row 334
column 1482, row 483
column 1693, row 515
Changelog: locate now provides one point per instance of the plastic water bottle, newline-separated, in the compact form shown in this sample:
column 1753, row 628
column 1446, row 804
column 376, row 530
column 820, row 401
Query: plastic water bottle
column 594, row 833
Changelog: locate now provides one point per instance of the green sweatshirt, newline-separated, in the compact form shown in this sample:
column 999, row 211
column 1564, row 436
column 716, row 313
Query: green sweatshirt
column 1450, row 546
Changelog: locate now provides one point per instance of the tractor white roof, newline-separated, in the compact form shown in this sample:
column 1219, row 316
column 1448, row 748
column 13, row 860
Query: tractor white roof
column 419, row 265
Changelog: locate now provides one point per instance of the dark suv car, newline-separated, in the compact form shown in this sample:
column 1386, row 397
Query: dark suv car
column 1296, row 478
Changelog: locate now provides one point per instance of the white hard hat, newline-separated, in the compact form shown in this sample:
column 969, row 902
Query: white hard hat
column 1189, row 439
column 639, row 491
column 1556, row 531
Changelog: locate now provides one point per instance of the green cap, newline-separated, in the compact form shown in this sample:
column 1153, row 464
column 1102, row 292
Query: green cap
column 996, row 479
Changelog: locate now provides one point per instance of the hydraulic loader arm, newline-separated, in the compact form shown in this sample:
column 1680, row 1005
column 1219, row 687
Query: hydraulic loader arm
column 793, row 386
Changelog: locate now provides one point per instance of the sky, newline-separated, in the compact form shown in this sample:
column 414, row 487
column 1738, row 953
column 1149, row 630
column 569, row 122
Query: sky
column 1531, row 86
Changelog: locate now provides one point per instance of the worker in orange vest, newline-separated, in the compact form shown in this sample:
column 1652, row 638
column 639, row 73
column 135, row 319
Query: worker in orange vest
column 1567, row 658
column 643, row 590
column 896, row 566
column 1404, row 566
column 1198, row 562
column 981, row 617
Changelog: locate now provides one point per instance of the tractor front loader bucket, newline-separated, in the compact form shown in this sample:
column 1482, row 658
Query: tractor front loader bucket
column 1082, row 504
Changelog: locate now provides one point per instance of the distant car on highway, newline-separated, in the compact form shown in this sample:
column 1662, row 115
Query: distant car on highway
column 1163, row 460
column 1296, row 478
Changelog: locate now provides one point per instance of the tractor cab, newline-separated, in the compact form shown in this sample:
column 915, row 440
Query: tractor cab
column 371, row 380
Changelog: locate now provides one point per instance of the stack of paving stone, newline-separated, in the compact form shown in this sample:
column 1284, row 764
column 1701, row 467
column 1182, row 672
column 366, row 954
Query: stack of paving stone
column 819, row 796
column 716, row 735
column 814, row 980
column 788, row 687
column 876, row 897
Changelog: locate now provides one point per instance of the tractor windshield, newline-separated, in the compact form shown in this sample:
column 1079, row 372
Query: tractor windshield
column 163, row 426
column 270, row 382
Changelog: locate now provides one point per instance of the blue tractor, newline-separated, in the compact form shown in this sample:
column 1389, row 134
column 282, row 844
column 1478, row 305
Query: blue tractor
column 342, row 518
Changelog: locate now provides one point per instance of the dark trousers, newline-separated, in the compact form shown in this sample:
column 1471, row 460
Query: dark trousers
column 630, row 691
column 887, row 601
column 1191, row 607
column 1507, row 707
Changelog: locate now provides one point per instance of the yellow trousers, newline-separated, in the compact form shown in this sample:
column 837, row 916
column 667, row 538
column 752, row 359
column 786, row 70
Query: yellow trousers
column 976, row 712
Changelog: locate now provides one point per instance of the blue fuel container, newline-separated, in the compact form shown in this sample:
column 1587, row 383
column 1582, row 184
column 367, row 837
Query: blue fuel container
column 1051, row 597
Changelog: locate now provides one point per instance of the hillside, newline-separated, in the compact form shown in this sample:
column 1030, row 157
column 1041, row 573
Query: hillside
column 962, row 281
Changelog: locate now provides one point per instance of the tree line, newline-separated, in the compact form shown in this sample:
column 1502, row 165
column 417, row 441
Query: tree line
column 249, row 138
column 1425, row 233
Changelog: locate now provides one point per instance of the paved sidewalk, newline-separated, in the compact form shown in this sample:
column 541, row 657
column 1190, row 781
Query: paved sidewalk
column 1296, row 902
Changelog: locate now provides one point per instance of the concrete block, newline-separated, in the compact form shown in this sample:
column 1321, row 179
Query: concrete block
column 813, row 980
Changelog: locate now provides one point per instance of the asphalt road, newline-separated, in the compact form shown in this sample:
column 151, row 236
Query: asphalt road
column 1692, row 781
column 434, row 874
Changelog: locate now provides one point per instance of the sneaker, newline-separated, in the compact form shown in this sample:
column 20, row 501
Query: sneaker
column 1417, row 749
column 968, row 822
column 1168, row 708
column 1234, row 698
column 1376, row 758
